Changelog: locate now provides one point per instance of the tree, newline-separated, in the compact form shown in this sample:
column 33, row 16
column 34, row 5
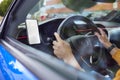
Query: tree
column 4, row 5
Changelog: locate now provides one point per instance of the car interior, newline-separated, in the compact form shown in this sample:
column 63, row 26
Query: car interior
column 78, row 30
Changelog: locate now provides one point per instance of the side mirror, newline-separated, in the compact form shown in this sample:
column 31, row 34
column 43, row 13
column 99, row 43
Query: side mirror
column 105, row 1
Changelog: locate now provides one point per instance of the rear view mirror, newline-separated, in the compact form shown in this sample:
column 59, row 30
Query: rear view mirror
column 105, row 1
column 78, row 5
column 33, row 31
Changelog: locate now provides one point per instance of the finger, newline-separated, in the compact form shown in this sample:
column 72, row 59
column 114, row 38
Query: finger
column 57, row 54
column 97, row 34
column 102, row 32
column 55, row 48
column 58, row 38
column 55, row 42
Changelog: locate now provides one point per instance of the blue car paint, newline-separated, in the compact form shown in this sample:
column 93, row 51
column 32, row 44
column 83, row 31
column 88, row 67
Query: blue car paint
column 12, row 69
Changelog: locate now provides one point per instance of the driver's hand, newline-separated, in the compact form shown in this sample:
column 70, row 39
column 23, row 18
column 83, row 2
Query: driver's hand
column 103, row 38
column 62, row 48
column 63, row 51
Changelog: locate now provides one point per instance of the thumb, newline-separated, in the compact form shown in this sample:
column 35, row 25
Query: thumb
column 58, row 38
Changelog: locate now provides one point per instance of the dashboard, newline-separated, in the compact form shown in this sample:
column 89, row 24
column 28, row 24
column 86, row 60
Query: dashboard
column 48, row 28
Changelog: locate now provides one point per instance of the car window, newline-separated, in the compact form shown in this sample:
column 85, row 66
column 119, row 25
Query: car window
column 52, row 16
column 47, row 10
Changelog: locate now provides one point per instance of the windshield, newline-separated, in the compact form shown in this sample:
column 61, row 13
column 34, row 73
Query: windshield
column 49, row 9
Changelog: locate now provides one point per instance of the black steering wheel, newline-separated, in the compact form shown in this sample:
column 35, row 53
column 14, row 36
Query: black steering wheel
column 86, row 47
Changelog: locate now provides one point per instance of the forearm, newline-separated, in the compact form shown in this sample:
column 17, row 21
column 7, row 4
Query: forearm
column 115, row 52
column 73, row 62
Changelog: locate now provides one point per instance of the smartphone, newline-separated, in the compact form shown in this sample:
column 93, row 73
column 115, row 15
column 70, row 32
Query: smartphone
column 33, row 31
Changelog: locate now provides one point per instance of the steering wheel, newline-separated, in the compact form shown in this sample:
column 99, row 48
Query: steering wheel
column 86, row 47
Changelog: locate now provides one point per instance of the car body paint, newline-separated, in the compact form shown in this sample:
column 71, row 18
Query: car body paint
column 12, row 69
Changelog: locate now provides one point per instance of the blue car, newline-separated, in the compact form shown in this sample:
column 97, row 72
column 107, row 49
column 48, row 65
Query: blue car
column 27, row 32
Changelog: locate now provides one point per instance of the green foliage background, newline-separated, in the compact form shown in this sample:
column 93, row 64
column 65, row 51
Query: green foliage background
column 4, row 6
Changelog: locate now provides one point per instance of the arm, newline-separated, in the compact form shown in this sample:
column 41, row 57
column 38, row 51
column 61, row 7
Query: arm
column 73, row 62
column 63, row 51
column 115, row 52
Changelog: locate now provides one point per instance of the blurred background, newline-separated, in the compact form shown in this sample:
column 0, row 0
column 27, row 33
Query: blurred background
column 56, row 8
column 3, row 7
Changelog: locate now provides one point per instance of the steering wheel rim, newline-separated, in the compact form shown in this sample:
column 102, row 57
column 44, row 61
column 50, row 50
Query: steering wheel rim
column 77, row 17
column 91, row 26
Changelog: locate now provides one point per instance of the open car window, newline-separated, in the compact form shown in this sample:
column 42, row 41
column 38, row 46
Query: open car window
column 27, row 35
column 51, row 15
